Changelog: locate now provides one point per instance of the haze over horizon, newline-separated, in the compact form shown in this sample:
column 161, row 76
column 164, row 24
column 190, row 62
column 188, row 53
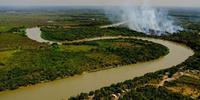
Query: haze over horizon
column 165, row 3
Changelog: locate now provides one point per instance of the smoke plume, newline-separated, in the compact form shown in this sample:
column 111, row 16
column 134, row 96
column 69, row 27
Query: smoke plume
column 145, row 18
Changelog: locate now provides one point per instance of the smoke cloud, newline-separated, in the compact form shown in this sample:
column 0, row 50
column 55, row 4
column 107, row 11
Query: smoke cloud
column 145, row 18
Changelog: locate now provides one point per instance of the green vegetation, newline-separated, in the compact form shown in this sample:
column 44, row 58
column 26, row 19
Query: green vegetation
column 161, row 94
column 134, row 90
column 19, row 30
column 142, row 88
column 64, row 16
column 59, row 33
column 35, row 62
column 5, row 55
column 77, row 48
column 185, row 80
column 11, row 43
column 24, row 62
column 15, row 41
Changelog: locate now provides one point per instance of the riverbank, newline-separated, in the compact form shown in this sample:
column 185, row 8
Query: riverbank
column 37, row 35
column 86, row 82
column 183, row 79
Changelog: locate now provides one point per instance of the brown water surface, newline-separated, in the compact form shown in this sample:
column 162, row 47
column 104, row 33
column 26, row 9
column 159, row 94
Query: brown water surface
column 64, row 88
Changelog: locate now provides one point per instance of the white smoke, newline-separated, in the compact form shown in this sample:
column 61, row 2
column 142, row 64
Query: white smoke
column 145, row 18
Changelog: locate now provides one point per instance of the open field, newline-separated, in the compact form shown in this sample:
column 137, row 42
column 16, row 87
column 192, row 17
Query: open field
column 63, row 16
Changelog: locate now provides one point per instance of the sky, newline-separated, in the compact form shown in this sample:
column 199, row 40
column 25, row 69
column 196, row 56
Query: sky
column 174, row 3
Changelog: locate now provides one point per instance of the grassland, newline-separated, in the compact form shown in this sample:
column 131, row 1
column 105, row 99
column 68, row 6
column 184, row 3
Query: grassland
column 5, row 55
column 63, row 17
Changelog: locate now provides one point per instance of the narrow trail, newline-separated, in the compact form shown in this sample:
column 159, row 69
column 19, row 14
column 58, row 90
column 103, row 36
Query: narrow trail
column 176, row 76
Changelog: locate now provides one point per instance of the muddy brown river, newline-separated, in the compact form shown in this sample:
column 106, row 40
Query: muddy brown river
column 64, row 88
